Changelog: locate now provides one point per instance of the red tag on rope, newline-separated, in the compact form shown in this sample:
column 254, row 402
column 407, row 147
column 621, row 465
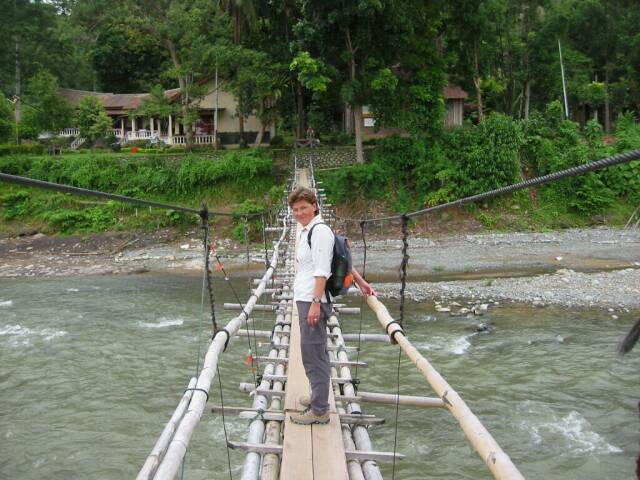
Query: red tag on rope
column 250, row 359
column 218, row 267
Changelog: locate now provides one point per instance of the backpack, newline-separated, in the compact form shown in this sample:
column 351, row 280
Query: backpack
column 341, row 265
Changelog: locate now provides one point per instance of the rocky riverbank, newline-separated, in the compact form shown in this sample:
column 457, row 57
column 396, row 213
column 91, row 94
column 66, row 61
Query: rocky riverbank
column 590, row 267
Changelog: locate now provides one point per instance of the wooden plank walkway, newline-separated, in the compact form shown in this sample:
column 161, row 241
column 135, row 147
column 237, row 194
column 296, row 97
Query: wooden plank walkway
column 313, row 452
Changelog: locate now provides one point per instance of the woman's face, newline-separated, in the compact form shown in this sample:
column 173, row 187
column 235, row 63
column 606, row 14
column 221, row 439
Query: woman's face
column 304, row 211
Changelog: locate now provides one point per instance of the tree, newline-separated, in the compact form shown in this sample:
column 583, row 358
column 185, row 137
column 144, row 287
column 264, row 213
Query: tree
column 257, row 84
column 190, row 31
column 50, row 111
column 157, row 105
column 386, row 54
column 92, row 119
column 125, row 59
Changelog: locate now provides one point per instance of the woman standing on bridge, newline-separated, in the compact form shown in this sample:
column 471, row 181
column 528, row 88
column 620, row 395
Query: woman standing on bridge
column 314, row 308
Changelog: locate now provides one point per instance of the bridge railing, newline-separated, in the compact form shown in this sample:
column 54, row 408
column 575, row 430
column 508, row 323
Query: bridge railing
column 167, row 455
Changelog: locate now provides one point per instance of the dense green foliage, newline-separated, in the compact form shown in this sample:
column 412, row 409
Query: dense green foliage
column 46, row 110
column 319, row 64
column 224, row 182
column 411, row 174
column 302, row 62
column 92, row 119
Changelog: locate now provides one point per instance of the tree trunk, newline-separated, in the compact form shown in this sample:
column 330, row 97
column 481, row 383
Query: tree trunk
column 241, row 128
column 357, row 108
column 526, row 88
column 183, row 84
column 357, row 123
column 607, row 103
column 348, row 119
column 260, row 134
column 18, row 106
column 477, row 82
column 527, row 99
column 300, row 104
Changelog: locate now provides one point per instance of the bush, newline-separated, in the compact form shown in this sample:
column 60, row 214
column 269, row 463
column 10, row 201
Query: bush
column 253, row 224
column 22, row 149
column 277, row 141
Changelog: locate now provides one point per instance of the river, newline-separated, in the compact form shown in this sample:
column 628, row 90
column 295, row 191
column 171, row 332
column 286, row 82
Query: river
column 92, row 367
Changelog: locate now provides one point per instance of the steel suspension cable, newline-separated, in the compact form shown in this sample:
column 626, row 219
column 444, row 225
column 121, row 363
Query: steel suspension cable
column 59, row 187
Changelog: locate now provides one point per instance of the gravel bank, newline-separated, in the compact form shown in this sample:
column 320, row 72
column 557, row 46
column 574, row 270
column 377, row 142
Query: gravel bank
column 616, row 289
column 587, row 267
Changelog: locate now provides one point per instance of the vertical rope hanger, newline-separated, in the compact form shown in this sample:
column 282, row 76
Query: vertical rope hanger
column 246, row 316
column 403, row 279
column 208, row 285
column 403, row 265
column 245, row 221
column 264, row 241
column 356, row 384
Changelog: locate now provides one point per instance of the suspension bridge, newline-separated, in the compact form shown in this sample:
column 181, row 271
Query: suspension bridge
column 276, row 448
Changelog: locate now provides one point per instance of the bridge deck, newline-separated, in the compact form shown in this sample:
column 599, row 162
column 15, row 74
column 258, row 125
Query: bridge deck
column 313, row 452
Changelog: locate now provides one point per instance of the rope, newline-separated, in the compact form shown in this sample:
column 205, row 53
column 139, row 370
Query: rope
column 30, row 182
column 246, row 242
column 395, row 433
column 207, row 250
column 364, row 268
column 264, row 240
column 246, row 315
column 224, row 424
column 403, row 265
column 403, row 279
column 551, row 177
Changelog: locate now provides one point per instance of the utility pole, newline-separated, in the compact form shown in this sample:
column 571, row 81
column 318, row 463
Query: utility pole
column 215, row 112
column 564, row 85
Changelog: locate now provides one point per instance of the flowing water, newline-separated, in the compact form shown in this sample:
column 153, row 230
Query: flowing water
column 91, row 368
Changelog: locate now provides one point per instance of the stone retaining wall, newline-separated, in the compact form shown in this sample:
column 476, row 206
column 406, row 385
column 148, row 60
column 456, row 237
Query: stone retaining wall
column 322, row 158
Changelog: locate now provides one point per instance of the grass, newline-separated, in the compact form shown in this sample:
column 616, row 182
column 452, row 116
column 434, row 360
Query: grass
column 225, row 185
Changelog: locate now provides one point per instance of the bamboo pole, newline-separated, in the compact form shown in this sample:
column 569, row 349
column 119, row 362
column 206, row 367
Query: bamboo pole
column 353, row 466
column 408, row 400
column 257, row 428
column 170, row 464
column 271, row 462
column 157, row 452
column 496, row 459
column 360, row 433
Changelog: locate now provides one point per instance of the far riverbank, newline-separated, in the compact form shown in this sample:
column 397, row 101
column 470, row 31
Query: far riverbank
column 580, row 267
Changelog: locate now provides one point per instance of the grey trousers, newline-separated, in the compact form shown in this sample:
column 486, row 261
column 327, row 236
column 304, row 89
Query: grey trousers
column 315, row 357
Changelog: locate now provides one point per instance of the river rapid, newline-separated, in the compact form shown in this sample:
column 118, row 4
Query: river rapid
column 91, row 368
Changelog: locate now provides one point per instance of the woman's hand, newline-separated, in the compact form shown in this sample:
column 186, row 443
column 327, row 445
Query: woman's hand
column 313, row 317
column 367, row 289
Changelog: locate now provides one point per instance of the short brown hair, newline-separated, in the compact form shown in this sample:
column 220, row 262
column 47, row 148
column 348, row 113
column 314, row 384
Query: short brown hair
column 303, row 193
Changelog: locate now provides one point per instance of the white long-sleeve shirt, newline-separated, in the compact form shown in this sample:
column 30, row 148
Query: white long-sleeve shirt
column 312, row 262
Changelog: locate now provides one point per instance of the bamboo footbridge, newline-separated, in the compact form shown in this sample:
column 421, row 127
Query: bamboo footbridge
column 275, row 447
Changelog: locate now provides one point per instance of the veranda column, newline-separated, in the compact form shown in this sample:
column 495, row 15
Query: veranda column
column 122, row 128
column 151, row 122
column 133, row 126
column 170, row 129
